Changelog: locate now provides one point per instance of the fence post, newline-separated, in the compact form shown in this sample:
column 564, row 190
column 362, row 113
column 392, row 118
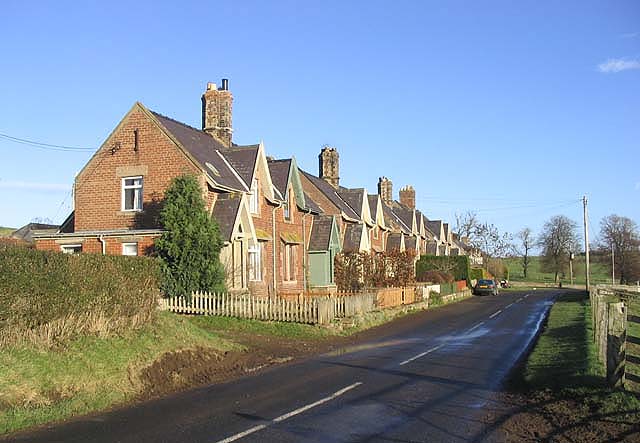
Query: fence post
column 616, row 348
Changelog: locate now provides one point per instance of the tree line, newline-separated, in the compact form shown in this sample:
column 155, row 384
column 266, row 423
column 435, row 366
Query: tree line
column 617, row 245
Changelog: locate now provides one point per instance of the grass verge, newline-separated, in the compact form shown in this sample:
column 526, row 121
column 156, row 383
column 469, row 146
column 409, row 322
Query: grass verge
column 88, row 374
column 564, row 363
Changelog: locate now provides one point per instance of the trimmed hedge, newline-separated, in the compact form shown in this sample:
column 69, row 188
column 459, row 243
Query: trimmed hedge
column 448, row 288
column 477, row 274
column 457, row 265
column 41, row 287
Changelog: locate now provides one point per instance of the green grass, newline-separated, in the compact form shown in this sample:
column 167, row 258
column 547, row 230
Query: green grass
column 599, row 272
column 564, row 360
column 5, row 231
column 89, row 373
column 279, row 329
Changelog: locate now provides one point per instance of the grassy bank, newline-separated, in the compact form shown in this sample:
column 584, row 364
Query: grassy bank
column 564, row 363
column 89, row 373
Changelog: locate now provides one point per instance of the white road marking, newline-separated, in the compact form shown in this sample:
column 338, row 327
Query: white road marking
column 527, row 295
column 475, row 327
column 422, row 354
column 509, row 305
column 290, row 414
column 495, row 313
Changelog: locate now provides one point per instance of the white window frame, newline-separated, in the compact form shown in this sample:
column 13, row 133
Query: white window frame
column 254, row 197
column 255, row 262
column 289, row 263
column 124, row 246
column 75, row 248
column 288, row 208
column 137, row 193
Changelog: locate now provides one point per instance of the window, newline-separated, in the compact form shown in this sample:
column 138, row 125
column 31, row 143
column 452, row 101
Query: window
column 289, row 265
column 129, row 248
column 287, row 206
column 255, row 262
column 254, row 201
column 71, row 249
column 375, row 232
column 132, row 194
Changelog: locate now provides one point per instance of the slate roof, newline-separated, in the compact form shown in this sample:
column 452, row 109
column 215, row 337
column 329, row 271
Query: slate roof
column 352, row 237
column 373, row 206
column 205, row 149
column 434, row 226
column 279, row 170
column 26, row 232
column 332, row 195
column 404, row 213
column 243, row 159
column 394, row 241
column 320, row 233
column 312, row 205
column 391, row 219
column 410, row 243
column 354, row 198
column 225, row 212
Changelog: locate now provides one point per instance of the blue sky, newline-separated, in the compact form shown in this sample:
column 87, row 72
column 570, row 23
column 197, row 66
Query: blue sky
column 512, row 109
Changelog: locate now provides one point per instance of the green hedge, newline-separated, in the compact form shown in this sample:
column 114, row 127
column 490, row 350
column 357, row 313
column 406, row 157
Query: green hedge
column 477, row 274
column 38, row 287
column 447, row 288
column 457, row 265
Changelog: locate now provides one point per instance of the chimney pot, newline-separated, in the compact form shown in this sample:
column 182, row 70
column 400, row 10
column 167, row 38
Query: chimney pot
column 211, row 86
column 225, row 84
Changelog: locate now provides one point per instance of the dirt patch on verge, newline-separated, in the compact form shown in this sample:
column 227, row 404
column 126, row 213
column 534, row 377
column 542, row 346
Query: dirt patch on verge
column 546, row 416
column 189, row 368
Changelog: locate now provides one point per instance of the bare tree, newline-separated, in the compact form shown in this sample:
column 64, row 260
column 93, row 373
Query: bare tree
column 620, row 235
column 483, row 235
column 559, row 236
column 526, row 243
column 467, row 224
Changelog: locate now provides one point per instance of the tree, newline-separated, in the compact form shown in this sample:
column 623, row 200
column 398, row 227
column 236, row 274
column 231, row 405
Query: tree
column 189, row 248
column 620, row 235
column 483, row 235
column 526, row 243
column 558, row 237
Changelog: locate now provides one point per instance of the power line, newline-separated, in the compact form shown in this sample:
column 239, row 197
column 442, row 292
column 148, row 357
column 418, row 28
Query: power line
column 44, row 146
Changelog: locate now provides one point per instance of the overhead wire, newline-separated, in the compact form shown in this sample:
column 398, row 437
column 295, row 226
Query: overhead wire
column 44, row 146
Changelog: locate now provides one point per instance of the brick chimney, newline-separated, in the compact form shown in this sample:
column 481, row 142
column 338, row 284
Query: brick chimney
column 385, row 190
column 329, row 166
column 408, row 196
column 217, row 104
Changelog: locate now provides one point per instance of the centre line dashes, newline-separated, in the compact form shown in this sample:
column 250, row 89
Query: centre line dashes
column 422, row 354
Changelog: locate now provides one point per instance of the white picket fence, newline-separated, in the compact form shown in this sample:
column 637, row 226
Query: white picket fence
column 320, row 310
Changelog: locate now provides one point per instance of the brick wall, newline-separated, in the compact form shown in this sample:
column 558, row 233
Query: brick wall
column 98, row 188
column 92, row 245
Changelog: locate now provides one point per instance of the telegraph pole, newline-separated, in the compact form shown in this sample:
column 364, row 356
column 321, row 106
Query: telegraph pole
column 586, row 240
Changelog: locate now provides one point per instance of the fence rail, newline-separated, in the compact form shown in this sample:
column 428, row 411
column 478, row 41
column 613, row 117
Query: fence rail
column 319, row 310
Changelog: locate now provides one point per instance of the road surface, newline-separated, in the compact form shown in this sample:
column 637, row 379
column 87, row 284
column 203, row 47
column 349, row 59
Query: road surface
column 430, row 379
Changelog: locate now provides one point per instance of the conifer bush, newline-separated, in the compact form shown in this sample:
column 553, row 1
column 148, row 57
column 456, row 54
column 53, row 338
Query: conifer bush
column 189, row 249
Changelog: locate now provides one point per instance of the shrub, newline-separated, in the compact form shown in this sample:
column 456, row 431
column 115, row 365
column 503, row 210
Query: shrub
column 447, row 288
column 189, row 249
column 357, row 270
column 52, row 296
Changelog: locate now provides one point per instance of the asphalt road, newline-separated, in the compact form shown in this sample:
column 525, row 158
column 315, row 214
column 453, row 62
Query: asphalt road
column 431, row 378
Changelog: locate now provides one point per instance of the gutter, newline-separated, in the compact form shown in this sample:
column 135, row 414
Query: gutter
column 273, row 232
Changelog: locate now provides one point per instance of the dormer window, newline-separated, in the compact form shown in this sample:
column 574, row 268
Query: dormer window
column 254, row 200
column 132, row 193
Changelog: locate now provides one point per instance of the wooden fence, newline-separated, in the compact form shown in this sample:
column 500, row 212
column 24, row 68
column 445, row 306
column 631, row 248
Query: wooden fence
column 616, row 332
column 319, row 310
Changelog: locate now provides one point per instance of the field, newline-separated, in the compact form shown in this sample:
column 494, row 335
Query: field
column 5, row 231
column 599, row 272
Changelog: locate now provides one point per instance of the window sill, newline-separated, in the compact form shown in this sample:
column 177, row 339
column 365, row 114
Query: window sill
column 130, row 212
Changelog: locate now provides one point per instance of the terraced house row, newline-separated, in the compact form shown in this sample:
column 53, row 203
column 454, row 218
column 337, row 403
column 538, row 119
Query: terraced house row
column 282, row 226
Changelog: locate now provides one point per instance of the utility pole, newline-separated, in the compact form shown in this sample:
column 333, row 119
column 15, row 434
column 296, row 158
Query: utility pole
column 613, row 265
column 571, row 257
column 586, row 241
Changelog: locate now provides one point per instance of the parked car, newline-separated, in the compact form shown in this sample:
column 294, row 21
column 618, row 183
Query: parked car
column 486, row 287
